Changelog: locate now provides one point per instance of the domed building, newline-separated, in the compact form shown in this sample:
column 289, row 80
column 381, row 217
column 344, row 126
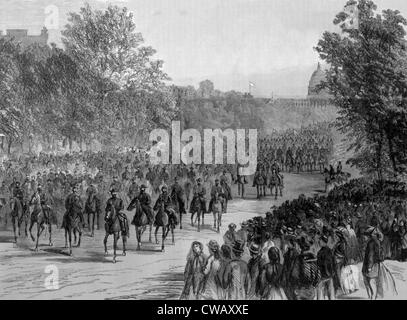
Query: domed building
column 318, row 76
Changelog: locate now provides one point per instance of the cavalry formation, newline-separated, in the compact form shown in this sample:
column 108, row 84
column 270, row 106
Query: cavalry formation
column 122, row 187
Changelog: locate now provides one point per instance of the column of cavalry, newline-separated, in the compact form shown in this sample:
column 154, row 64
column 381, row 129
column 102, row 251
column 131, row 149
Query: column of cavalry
column 121, row 197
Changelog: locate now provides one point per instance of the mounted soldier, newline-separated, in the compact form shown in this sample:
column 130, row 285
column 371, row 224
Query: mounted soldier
column 177, row 194
column 117, row 203
column 216, row 191
column 224, row 182
column 73, row 206
column 145, row 203
column 199, row 192
column 92, row 207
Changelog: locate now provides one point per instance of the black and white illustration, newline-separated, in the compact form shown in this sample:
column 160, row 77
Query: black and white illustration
column 203, row 150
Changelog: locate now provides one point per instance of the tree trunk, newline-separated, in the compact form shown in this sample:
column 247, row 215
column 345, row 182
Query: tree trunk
column 379, row 149
column 9, row 142
column 392, row 156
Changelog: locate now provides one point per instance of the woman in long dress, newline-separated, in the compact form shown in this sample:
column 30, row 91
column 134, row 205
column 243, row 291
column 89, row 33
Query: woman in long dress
column 212, row 289
column 193, row 274
column 270, row 279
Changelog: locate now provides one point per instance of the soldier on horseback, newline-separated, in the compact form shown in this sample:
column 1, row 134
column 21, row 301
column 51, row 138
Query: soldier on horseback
column 145, row 203
column 73, row 204
column 224, row 181
column 118, row 205
column 199, row 192
column 216, row 190
column 19, row 195
column 177, row 193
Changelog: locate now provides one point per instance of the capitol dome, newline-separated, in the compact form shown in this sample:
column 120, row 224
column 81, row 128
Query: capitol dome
column 317, row 77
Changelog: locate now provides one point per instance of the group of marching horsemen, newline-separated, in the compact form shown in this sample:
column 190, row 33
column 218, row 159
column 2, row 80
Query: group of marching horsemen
column 305, row 150
column 38, row 207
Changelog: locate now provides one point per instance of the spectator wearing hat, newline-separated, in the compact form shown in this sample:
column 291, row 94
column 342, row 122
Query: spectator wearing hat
column 290, row 255
column 236, row 278
column 226, row 257
column 212, row 289
column 340, row 251
column 270, row 279
column 305, row 274
column 255, row 265
column 326, row 265
column 242, row 233
column 230, row 235
column 371, row 264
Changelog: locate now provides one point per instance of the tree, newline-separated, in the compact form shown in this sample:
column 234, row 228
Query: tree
column 367, row 79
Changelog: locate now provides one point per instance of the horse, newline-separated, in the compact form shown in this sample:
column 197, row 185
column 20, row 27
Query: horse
column 92, row 209
column 39, row 216
column 18, row 216
column 72, row 224
column 112, row 226
column 226, row 195
column 196, row 208
column 276, row 182
column 217, row 210
column 162, row 220
column 140, row 221
column 188, row 187
column 175, row 204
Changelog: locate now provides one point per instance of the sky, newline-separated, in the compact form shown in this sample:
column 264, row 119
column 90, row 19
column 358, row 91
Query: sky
column 231, row 42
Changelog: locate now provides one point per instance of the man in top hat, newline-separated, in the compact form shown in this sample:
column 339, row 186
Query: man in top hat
column 145, row 203
column 115, row 202
column 230, row 235
column 255, row 266
column 236, row 278
column 327, row 266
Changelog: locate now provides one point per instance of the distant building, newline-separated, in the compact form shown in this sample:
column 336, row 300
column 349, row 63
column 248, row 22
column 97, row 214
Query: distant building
column 318, row 76
column 22, row 36
column 315, row 97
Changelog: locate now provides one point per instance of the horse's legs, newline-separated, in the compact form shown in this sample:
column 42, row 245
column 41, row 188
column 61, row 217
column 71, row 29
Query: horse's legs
column 172, row 235
column 50, row 234
column 199, row 221
column 92, row 226
column 115, row 237
column 70, row 241
column 124, row 239
column 74, row 235
column 192, row 218
column 163, row 237
column 214, row 220
column 31, row 226
column 14, row 223
column 40, row 228
column 66, row 238
column 180, row 220
column 79, row 240
column 137, row 237
column 151, row 229
column 105, row 242
column 155, row 234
